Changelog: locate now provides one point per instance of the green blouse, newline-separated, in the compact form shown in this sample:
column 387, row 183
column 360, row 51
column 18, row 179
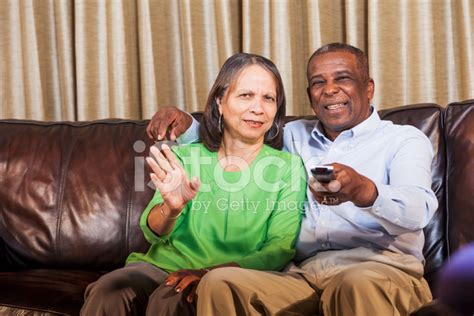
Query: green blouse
column 250, row 217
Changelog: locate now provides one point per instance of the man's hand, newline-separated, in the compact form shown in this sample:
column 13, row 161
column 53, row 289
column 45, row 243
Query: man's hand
column 168, row 123
column 348, row 185
column 185, row 279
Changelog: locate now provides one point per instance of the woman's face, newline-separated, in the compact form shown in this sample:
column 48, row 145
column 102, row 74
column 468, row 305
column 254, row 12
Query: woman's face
column 249, row 105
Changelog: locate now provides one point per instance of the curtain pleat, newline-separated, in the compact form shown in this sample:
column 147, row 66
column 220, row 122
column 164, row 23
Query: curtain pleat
column 83, row 59
column 107, row 59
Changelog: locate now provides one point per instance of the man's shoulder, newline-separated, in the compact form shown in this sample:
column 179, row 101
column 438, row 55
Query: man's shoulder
column 300, row 126
column 402, row 131
column 301, row 123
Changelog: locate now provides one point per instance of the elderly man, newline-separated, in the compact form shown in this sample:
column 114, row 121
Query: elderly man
column 359, row 251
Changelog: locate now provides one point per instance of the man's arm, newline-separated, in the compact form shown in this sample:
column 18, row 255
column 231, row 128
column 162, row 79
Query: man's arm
column 173, row 124
column 406, row 203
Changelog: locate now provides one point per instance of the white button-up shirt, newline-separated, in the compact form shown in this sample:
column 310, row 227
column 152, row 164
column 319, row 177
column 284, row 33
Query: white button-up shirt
column 396, row 158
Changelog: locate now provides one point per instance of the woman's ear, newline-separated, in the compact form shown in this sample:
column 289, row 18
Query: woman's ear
column 219, row 106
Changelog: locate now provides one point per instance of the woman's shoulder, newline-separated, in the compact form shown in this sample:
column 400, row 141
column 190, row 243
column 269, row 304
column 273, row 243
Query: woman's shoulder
column 188, row 149
column 191, row 153
column 287, row 156
column 283, row 160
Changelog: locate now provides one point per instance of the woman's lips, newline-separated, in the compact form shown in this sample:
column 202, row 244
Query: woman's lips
column 255, row 124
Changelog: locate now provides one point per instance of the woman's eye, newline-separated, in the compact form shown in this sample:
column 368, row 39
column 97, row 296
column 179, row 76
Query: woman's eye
column 245, row 95
column 270, row 98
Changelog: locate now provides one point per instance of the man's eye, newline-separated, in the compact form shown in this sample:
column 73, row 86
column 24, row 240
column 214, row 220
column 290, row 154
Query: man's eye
column 343, row 78
column 317, row 83
column 245, row 95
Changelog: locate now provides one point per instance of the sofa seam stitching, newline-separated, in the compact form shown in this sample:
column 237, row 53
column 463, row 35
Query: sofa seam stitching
column 127, row 221
column 59, row 208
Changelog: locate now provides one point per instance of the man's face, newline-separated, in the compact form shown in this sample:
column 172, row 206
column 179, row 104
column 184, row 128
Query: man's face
column 339, row 94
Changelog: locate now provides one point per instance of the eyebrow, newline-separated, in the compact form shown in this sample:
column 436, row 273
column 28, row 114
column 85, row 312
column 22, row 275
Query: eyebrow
column 337, row 73
column 343, row 72
column 249, row 90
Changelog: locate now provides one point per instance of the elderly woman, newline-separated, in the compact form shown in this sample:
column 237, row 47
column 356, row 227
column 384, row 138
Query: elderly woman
column 233, row 200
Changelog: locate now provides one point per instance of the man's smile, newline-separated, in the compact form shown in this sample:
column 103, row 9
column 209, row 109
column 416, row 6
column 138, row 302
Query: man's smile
column 335, row 106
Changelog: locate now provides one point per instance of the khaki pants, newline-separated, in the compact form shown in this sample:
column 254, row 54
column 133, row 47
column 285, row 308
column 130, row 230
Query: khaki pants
column 351, row 286
column 135, row 289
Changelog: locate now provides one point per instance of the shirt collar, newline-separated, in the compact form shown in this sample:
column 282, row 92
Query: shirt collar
column 366, row 126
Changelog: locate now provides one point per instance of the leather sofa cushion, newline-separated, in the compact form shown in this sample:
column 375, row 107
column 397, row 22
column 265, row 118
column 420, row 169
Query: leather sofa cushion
column 44, row 291
column 68, row 195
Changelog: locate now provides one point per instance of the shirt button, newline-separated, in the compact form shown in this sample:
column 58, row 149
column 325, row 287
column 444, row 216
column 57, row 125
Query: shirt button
column 324, row 244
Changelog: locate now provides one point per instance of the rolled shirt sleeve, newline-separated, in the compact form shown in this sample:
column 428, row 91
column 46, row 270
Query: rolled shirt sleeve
column 191, row 135
column 407, row 203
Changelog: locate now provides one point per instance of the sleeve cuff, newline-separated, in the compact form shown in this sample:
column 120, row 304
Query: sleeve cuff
column 191, row 135
column 382, row 203
column 150, row 235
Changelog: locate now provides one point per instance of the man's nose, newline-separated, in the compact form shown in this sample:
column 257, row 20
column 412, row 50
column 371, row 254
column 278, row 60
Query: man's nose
column 331, row 88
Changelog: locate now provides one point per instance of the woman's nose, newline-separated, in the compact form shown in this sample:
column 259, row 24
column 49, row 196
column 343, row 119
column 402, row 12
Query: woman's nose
column 257, row 106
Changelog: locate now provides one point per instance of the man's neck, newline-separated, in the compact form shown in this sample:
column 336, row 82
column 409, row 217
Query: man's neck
column 332, row 135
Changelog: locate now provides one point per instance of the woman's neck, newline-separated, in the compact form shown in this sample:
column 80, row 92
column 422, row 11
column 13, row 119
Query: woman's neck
column 236, row 155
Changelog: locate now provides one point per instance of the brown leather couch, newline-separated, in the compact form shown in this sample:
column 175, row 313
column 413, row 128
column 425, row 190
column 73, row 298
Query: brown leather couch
column 71, row 195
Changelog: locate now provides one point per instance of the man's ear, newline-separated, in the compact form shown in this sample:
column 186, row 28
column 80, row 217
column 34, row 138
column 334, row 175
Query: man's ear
column 370, row 89
column 308, row 92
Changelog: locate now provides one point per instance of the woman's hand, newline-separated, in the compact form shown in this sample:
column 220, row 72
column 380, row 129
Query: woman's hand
column 171, row 180
column 186, row 279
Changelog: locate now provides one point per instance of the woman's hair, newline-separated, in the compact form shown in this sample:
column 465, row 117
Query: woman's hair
column 210, row 132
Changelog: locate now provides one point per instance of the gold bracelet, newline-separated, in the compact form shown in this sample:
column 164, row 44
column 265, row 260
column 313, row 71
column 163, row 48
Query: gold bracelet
column 165, row 216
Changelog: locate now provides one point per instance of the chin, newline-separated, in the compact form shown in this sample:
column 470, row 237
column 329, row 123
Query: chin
column 252, row 138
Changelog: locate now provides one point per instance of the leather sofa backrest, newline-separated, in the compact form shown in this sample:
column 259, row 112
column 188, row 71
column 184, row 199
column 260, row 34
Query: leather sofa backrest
column 67, row 193
column 459, row 131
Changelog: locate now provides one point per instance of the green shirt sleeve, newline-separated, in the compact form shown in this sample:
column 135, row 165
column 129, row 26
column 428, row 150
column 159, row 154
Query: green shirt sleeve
column 284, row 224
column 150, row 236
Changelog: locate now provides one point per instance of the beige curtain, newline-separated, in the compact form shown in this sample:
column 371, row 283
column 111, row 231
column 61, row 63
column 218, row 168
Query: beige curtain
column 92, row 59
